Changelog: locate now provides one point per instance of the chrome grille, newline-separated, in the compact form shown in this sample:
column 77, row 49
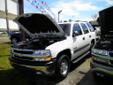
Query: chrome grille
column 23, row 51
column 23, row 58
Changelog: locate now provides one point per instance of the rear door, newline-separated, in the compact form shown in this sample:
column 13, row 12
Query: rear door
column 92, row 34
column 87, row 36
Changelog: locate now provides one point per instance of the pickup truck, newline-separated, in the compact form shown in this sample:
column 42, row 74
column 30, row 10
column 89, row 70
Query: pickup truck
column 102, row 53
column 51, row 47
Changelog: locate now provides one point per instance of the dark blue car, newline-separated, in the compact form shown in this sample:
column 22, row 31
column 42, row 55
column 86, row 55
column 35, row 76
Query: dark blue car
column 15, row 37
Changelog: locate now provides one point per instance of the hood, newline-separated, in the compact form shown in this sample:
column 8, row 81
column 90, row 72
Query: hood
column 34, row 24
column 106, row 21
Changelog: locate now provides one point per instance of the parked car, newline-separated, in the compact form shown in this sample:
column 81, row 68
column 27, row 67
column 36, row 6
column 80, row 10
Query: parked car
column 51, row 48
column 102, row 53
column 14, row 36
column 96, row 26
column 1, row 33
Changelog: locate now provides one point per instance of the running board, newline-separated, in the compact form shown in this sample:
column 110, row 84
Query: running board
column 78, row 59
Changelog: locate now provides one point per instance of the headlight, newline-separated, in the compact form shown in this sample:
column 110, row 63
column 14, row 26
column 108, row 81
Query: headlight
column 100, row 52
column 94, row 51
column 42, row 53
column 104, row 52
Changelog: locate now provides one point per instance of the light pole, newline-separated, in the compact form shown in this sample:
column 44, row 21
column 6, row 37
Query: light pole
column 59, row 15
column 6, row 11
column 20, row 12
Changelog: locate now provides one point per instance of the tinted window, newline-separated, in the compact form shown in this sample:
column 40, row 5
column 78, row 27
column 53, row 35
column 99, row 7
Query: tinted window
column 84, row 27
column 66, row 28
column 77, row 28
column 90, row 27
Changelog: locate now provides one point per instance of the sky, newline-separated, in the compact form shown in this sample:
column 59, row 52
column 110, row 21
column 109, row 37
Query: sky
column 84, row 10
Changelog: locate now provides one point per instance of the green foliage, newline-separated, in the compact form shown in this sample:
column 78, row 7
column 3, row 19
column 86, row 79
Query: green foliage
column 4, row 54
column 8, row 75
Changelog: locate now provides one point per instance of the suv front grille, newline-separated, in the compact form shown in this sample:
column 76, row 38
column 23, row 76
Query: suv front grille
column 23, row 51
column 24, row 58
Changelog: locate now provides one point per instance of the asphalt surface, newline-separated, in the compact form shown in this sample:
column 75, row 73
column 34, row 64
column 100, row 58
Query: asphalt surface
column 80, row 74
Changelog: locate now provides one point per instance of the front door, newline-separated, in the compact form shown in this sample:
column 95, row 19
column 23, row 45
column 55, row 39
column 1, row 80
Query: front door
column 79, row 41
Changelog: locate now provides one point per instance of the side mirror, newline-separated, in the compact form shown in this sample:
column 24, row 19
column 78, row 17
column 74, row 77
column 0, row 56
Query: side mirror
column 75, row 33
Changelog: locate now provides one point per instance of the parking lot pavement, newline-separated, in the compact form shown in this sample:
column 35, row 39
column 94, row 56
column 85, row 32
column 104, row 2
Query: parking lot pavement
column 78, row 72
column 79, row 75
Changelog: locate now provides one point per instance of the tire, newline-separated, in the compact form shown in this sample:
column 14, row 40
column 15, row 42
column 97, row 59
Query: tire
column 62, row 67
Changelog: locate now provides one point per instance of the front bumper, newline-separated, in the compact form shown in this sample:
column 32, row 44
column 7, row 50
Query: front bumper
column 101, row 65
column 101, row 69
column 47, row 68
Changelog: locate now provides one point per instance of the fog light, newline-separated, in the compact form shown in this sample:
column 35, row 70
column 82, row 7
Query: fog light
column 38, row 59
column 43, row 59
column 48, row 59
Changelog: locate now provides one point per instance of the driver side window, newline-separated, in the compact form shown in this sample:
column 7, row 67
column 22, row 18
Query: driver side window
column 77, row 30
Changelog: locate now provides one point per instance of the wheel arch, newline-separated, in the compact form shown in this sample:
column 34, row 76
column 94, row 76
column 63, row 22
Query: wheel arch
column 93, row 41
column 67, row 52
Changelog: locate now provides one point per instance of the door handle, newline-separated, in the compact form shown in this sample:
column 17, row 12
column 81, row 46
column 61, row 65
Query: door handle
column 89, row 36
column 83, row 38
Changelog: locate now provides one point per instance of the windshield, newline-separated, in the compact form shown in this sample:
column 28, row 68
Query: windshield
column 66, row 28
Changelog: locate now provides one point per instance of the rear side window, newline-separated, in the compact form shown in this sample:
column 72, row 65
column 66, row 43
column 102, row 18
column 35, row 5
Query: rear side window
column 90, row 27
column 77, row 28
column 84, row 27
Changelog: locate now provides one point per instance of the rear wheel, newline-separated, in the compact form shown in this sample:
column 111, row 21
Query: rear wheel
column 62, row 67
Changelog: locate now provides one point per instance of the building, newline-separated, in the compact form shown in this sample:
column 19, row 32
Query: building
column 8, row 11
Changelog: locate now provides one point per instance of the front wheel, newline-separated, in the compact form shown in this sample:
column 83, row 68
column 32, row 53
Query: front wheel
column 63, row 66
